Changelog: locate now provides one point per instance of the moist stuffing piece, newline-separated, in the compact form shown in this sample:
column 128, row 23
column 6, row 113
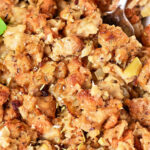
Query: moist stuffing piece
column 70, row 82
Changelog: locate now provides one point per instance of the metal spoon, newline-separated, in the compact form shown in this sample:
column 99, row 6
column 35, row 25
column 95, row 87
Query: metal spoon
column 118, row 17
column 146, row 21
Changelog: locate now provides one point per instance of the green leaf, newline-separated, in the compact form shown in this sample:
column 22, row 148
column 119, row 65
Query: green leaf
column 3, row 26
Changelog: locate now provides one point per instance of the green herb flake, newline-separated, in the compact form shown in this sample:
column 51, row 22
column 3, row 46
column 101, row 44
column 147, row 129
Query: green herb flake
column 2, row 26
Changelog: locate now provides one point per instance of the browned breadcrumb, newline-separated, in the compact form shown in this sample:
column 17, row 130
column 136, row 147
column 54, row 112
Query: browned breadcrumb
column 146, row 36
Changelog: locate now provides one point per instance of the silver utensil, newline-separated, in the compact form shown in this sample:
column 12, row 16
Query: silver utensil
column 146, row 21
column 118, row 17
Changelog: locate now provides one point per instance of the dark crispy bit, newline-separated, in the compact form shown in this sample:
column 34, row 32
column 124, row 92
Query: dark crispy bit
column 76, row 2
column 16, row 104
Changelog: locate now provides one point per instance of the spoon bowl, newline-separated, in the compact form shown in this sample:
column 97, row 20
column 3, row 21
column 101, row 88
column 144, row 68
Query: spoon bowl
column 118, row 18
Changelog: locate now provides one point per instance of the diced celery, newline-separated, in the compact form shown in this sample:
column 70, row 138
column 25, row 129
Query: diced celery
column 43, row 147
column 99, row 74
column 133, row 68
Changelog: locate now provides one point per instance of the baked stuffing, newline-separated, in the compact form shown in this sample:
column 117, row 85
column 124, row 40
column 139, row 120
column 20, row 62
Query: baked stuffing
column 70, row 82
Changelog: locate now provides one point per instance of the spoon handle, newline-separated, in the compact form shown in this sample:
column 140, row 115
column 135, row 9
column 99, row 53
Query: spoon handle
column 146, row 21
column 122, row 4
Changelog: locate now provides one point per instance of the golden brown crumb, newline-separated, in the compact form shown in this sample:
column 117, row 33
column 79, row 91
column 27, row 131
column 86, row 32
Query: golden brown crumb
column 139, row 110
column 47, row 7
column 67, row 46
column 84, row 27
column 111, row 37
column 5, row 8
column 146, row 36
